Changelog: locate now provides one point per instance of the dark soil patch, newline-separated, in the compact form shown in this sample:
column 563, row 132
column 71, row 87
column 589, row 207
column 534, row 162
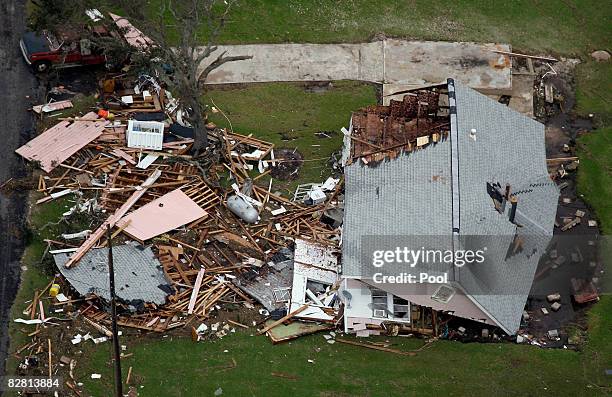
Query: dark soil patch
column 287, row 136
column 288, row 165
column 65, row 83
column 318, row 86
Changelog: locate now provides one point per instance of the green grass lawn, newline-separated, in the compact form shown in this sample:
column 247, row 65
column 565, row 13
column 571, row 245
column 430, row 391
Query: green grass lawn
column 594, row 173
column 564, row 27
column 180, row 367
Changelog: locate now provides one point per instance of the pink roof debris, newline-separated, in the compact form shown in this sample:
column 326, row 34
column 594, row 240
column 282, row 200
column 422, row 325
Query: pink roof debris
column 132, row 35
column 52, row 106
column 61, row 141
column 166, row 213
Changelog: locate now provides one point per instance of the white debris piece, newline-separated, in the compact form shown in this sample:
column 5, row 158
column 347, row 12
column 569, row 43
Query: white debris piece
column 94, row 14
column 279, row 211
column 255, row 155
column 61, row 298
column 74, row 236
column 145, row 162
column 330, row 184
column 317, row 196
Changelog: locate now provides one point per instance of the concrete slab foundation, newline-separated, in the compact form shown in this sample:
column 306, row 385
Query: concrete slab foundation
column 399, row 63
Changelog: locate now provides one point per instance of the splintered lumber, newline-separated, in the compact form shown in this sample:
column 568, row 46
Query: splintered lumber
column 99, row 327
column 374, row 347
column 121, row 154
column 34, row 304
column 112, row 220
column 561, row 159
column 282, row 320
column 238, row 324
column 196, row 290
column 129, row 376
column 50, row 364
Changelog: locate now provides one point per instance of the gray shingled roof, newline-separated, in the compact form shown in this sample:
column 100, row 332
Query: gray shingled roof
column 411, row 196
column 138, row 274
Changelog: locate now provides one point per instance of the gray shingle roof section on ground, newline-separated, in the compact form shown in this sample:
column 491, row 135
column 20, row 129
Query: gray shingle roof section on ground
column 400, row 198
column 138, row 274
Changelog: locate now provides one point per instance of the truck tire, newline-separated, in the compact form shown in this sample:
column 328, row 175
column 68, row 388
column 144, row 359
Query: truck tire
column 42, row 67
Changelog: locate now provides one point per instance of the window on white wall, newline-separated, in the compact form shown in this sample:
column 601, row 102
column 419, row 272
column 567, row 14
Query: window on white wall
column 379, row 303
column 386, row 305
column 401, row 308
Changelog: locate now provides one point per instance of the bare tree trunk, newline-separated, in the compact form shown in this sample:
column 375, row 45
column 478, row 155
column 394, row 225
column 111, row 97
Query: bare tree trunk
column 199, row 126
column 198, row 24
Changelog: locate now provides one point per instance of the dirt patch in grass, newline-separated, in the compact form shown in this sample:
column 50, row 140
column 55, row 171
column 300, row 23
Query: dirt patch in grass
column 288, row 165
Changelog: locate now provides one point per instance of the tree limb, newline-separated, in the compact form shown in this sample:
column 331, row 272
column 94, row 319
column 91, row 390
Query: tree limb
column 221, row 59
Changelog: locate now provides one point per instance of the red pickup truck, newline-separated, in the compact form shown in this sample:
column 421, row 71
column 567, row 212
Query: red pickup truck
column 44, row 51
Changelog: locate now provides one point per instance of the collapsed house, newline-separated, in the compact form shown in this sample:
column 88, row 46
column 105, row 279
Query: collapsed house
column 186, row 244
column 445, row 169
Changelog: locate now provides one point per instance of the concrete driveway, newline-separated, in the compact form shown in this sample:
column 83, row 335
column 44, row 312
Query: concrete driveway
column 400, row 64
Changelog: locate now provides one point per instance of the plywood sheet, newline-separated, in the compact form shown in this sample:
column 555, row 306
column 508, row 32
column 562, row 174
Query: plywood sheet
column 166, row 213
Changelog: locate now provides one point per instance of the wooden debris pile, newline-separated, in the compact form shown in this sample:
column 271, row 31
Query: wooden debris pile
column 379, row 132
column 201, row 259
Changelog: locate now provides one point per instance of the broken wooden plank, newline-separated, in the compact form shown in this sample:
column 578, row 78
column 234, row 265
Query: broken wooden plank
column 374, row 347
column 196, row 290
column 282, row 320
column 518, row 55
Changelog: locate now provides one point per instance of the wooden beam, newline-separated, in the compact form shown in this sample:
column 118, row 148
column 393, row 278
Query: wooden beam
column 50, row 364
column 374, row 347
column 195, row 292
column 282, row 320
column 516, row 54
column 561, row 159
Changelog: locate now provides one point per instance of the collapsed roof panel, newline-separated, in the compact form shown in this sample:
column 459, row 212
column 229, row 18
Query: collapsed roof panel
column 132, row 35
column 314, row 254
column 138, row 274
column 61, row 141
column 410, row 195
column 500, row 145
